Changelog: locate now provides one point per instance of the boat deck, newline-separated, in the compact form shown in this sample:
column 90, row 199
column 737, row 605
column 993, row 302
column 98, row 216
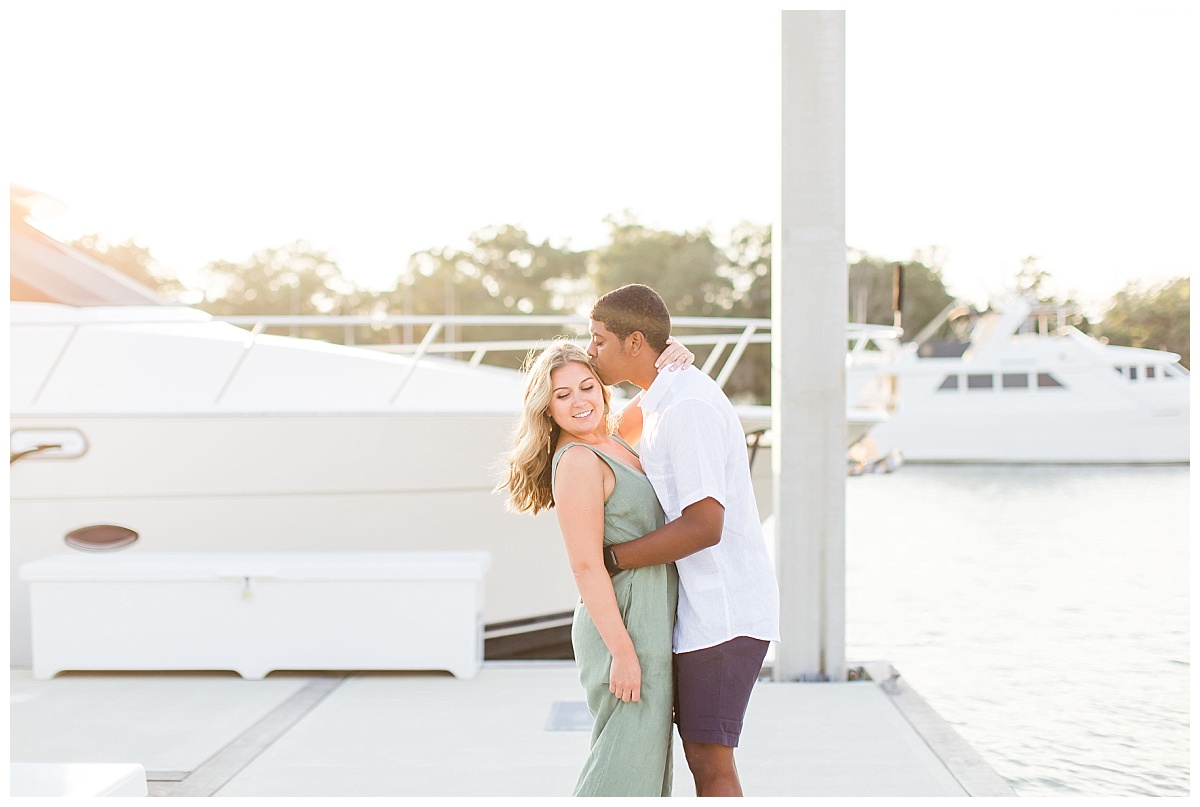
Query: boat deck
column 517, row 729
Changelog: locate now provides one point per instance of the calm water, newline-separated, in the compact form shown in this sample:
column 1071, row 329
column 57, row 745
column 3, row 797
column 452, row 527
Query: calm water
column 1042, row 611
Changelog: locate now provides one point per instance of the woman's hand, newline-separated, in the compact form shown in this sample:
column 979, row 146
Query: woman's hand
column 625, row 677
column 674, row 357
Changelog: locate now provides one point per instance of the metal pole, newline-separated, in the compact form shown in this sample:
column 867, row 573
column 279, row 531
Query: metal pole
column 430, row 335
column 809, row 299
column 735, row 356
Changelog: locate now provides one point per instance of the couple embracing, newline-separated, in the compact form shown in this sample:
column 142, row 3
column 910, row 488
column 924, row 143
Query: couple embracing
column 678, row 596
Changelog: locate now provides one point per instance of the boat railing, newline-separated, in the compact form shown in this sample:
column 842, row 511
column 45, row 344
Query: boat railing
column 721, row 333
column 728, row 337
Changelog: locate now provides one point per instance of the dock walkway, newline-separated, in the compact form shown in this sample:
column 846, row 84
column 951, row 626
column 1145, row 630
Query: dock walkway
column 518, row 729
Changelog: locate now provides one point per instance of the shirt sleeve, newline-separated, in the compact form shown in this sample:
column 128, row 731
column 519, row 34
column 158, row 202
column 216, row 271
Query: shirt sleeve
column 694, row 435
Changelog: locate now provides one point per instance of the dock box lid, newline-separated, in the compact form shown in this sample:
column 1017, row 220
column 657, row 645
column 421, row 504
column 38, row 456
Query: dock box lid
column 311, row 566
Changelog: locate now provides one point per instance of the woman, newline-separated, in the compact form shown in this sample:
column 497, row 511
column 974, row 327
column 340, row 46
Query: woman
column 569, row 454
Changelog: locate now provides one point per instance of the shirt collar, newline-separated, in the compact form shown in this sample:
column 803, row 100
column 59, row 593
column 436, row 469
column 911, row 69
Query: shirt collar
column 659, row 388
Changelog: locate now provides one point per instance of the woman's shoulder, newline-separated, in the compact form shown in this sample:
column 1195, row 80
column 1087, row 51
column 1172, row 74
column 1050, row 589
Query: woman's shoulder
column 577, row 455
column 579, row 468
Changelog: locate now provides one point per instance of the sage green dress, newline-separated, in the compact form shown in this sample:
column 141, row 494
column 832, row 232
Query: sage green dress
column 631, row 742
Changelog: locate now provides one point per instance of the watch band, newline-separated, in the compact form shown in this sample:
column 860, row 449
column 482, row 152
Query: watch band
column 610, row 561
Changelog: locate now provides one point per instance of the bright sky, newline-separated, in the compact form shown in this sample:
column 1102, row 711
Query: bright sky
column 210, row 129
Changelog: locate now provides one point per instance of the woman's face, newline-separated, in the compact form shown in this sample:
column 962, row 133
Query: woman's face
column 576, row 399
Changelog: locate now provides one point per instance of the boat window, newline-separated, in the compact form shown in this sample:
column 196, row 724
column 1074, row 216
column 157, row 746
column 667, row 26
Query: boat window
column 100, row 537
column 979, row 382
column 1015, row 381
column 1133, row 373
column 1149, row 372
column 1120, row 370
column 949, row 382
column 1047, row 380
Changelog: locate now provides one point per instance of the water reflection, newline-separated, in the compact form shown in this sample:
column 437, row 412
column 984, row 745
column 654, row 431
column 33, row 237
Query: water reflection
column 1042, row 610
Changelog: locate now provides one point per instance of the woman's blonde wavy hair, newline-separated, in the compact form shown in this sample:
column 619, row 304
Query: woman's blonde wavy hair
column 529, row 461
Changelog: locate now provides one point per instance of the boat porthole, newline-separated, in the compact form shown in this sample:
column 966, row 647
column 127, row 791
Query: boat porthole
column 100, row 537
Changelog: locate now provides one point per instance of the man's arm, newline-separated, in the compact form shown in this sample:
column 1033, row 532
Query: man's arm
column 698, row 527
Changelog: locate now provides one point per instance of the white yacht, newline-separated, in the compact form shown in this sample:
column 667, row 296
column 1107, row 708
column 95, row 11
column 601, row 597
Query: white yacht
column 1022, row 385
column 142, row 427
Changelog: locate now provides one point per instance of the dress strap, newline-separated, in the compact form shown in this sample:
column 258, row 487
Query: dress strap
column 612, row 464
column 558, row 454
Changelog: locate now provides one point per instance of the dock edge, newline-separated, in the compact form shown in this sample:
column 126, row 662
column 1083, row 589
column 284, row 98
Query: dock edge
column 965, row 764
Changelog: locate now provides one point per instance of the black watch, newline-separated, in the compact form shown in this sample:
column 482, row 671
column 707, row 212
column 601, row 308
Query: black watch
column 610, row 561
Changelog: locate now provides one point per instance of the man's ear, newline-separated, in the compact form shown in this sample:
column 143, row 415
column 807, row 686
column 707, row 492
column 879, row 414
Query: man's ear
column 637, row 341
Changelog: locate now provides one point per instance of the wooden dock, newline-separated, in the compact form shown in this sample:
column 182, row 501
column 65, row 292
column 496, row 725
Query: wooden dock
column 518, row 729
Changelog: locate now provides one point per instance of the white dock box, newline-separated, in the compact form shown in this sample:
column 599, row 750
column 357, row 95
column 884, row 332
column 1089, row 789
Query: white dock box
column 76, row 779
column 255, row 612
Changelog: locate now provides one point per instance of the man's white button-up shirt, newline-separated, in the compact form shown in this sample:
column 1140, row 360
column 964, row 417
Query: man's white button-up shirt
column 693, row 448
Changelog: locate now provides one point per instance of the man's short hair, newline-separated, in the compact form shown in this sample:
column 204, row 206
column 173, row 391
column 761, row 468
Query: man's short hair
column 635, row 308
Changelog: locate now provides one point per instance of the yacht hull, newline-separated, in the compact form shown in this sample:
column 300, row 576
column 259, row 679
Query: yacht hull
column 1143, row 437
column 1090, row 415
column 288, row 482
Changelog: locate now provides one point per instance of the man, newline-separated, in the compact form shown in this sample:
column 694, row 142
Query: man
column 693, row 450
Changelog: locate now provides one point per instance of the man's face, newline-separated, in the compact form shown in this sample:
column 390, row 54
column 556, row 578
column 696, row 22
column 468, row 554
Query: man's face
column 607, row 354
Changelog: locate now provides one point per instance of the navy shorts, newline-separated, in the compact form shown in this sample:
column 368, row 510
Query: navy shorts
column 712, row 689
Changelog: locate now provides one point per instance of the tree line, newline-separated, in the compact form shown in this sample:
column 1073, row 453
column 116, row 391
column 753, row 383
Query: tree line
column 502, row 270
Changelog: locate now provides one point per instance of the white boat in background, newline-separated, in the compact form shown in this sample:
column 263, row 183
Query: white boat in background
column 1022, row 385
column 147, row 428
column 198, row 437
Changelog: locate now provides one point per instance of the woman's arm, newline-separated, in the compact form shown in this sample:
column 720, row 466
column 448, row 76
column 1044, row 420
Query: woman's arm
column 579, row 502
column 674, row 357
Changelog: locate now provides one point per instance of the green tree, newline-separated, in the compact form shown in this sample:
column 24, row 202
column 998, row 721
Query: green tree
column 686, row 269
column 132, row 260
column 295, row 279
column 430, row 285
column 871, row 292
column 520, row 275
column 691, row 274
column 870, row 282
column 1157, row 317
column 1033, row 280
column 501, row 271
column 436, row 281
column 749, row 260
column 870, row 297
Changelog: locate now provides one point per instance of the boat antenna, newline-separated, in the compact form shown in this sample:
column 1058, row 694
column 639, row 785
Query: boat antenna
column 897, row 294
